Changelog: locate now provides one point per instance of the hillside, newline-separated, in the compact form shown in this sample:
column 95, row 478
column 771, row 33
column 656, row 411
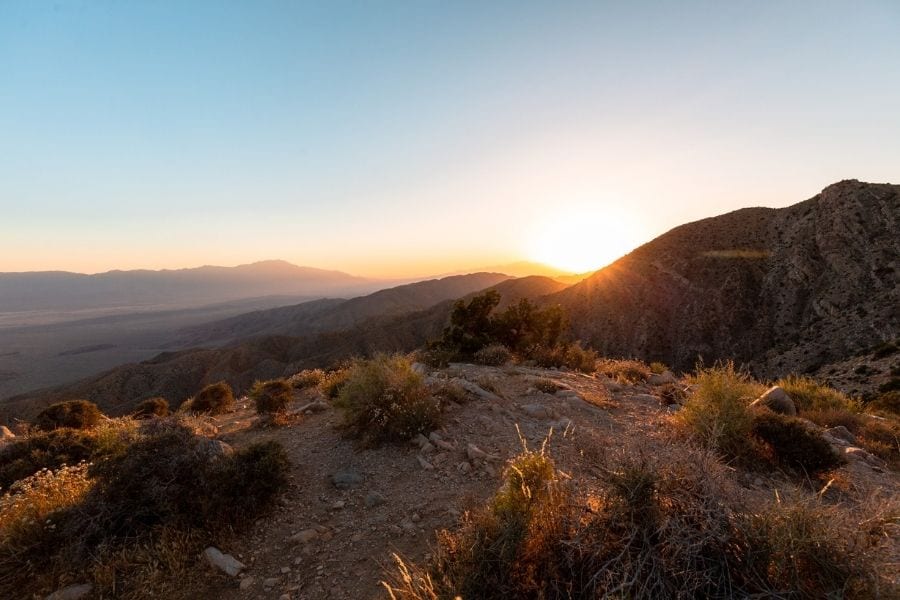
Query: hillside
column 63, row 291
column 335, row 315
column 791, row 289
column 178, row 375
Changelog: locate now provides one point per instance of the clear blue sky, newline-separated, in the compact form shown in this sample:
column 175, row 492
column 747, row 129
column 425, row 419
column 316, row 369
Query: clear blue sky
column 399, row 138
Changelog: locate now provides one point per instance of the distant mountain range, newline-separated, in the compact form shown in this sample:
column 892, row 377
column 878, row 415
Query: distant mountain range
column 60, row 290
column 797, row 289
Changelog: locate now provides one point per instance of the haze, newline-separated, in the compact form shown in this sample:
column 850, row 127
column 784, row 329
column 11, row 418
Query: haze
column 401, row 139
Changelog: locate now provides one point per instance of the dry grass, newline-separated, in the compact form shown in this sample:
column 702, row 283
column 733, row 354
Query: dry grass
column 672, row 526
column 307, row 378
column 73, row 414
column 624, row 371
column 494, row 355
column 214, row 399
column 716, row 413
column 565, row 356
column 880, row 437
column 809, row 395
column 272, row 397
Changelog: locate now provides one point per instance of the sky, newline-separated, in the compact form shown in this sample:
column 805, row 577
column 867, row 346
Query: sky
column 395, row 139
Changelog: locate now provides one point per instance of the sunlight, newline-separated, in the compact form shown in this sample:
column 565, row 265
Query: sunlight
column 583, row 240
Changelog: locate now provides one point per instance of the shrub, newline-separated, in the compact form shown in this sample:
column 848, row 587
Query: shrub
column 569, row 356
column 625, row 371
column 76, row 414
column 548, row 386
column 795, row 444
column 888, row 402
column 385, row 400
column 333, row 382
column 880, row 437
column 272, row 397
column 885, row 349
column 151, row 407
column 494, row 355
column 447, row 392
column 808, row 394
column 716, row 413
column 672, row 393
column 658, row 368
column 667, row 526
column 307, row 378
column 437, row 357
column 52, row 450
column 214, row 399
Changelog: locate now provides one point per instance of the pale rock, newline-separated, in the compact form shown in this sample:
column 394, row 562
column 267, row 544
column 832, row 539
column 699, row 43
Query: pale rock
column 424, row 463
column 346, row 479
column 224, row 562
column 305, row 536
column 475, row 389
column 374, row 499
column 842, row 433
column 72, row 592
column 776, row 400
column 538, row 411
column 247, row 583
column 663, row 378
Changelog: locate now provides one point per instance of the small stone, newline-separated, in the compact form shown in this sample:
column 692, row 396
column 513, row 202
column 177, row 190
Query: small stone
column 415, row 518
column 842, row 433
column 538, row 411
column 427, row 448
column 285, row 570
column 270, row 582
column 445, row 445
column 72, row 592
column 435, row 437
column 346, row 479
column 305, row 536
column 374, row 499
column 661, row 379
column 424, row 463
column 247, row 583
column 338, row 505
column 284, row 597
column 464, row 467
column 224, row 562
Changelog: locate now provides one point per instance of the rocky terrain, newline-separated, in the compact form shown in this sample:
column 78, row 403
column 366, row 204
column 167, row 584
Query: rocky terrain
column 784, row 290
column 350, row 508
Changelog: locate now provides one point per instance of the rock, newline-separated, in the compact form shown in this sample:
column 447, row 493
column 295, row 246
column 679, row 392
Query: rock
column 285, row 570
column 419, row 368
column 72, row 592
column 216, row 449
column 374, row 499
column 270, row 582
column 424, row 463
column 842, row 433
column 475, row 389
column 420, row 440
column 644, row 398
column 776, row 400
column 445, row 445
column 428, row 447
column 344, row 480
column 305, row 536
column 6, row 434
column 435, row 437
column 247, row 583
column 476, row 453
column 663, row 378
column 562, row 424
column 224, row 562
column 860, row 454
column 538, row 411
column 464, row 467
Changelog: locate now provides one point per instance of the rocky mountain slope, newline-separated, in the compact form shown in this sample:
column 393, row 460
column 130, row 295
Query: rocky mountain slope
column 178, row 375
column 789, row 289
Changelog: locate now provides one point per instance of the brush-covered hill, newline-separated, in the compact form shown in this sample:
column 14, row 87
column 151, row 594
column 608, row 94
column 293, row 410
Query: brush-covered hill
column 790, row 289
column 178, row 375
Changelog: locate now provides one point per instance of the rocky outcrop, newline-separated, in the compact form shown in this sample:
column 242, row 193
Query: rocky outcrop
column 776, row 400
column 788, row 289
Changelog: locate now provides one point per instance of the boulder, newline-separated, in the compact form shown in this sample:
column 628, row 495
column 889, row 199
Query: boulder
column 776, row 400
column 661, row 378
column 223, row 562
column 842, row 433
column 216, row 449
column 538, row 411
column 475, row 389
column 6, row 434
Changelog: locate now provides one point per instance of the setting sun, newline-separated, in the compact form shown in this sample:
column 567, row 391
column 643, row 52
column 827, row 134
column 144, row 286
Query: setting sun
column 582, row 240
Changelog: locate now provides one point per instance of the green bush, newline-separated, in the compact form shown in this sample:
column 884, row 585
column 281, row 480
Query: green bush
column 75, row 414
column 716, row 413
column 494, row 355
column 151, row 407
column 384, row 400
column 214, row 399
column 272, row 397
column 795, row 444
column 568, row 356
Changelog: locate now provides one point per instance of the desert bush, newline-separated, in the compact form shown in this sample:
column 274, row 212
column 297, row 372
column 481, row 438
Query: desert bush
column 334, row 380
column 307, row 378
column 494, row 355
column 437, row 357
column 570, row 356
column 716, row 413
column 447, row 392
column 624, row 371
column 214, row 399
column 384, row 400
column 888, row 402
column 548, row 386
column 151, row 407
column 272, row 397
column 658, row 368
column 54, row 449
column 75, row 414
column 672, row 393
column 795, row 444
column 669, row 525
column 808, row 394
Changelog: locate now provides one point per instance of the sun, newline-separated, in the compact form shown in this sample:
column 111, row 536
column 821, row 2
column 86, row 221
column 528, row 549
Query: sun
column 582, row 241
